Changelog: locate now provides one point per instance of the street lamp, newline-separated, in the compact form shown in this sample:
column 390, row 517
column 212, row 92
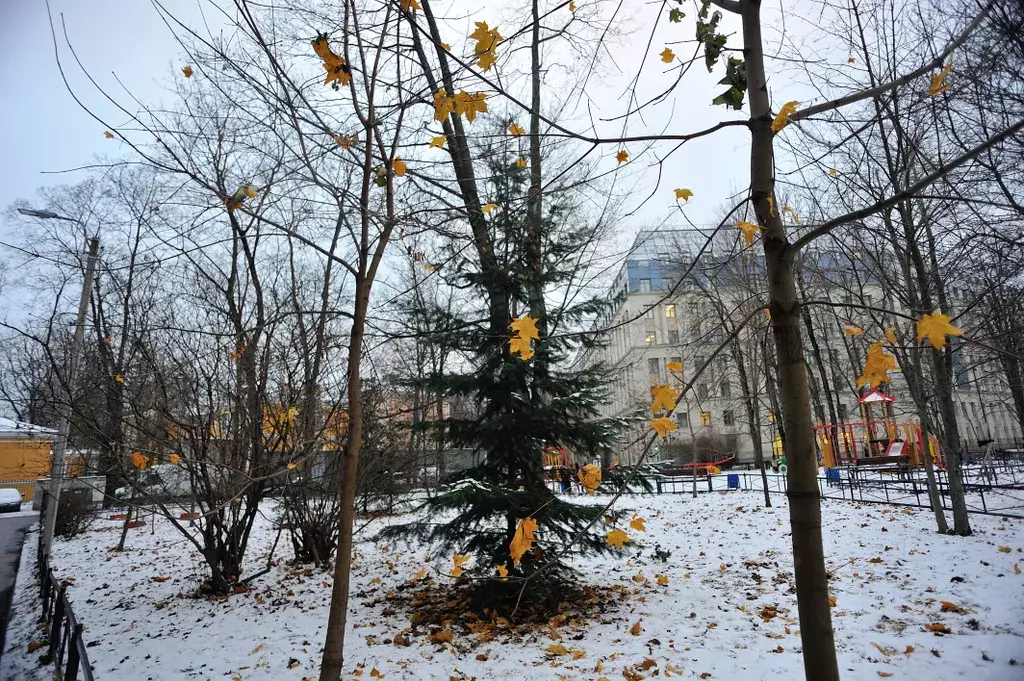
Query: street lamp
column 60, row 443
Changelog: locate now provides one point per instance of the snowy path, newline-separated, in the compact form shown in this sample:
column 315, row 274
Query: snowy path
column 730, row 558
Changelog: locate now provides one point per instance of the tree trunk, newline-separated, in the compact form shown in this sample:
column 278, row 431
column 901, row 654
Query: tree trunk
column 753, row 419
column 334, row 644
column 961, row 523
column 804, row 503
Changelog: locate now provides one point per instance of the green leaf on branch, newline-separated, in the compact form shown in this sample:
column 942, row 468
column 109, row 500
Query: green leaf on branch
column 736, row 79
column 675, row 15
column 707, row 33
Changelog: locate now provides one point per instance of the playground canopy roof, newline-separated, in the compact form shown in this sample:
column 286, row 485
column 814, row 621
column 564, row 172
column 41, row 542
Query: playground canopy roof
column 875, row 396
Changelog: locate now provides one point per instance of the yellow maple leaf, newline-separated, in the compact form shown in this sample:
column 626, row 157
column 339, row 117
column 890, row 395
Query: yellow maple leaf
column 522, row 541
column 187, row 70
column 662, row 580
column 107, row 340
column 572, row 6
column 938, row 84
column 832, row 171
column 488, row 207
column 428, row 267
column 1004, row 549
column 664, row 398
column 502, row 572
column 520, row 346
column 409, row 5
column 622, row 156
column 935, row 327
column 520, row 162
column 749, row 230
column 119, row 378
column 516, row 130
column 420, row 574
column 249, row 191
column 636, row 628
column 139, row 460
column 345, row 141
column 398, row 165
column 487, row 39
column 438, row 141
column 782, row 118
column 459, row 560
column 556, row 649
column 877, row 366
column 616, row 538
column 470, row 105
column 890, row 335
column 852, row 330
column 590, row 477
column 174, row 459
column 683, row 194
column 443, row 105
column 291, row 466
column 109, row 135
column 637, row 523
column 792, row 214
column 674, row 366
column 662, row 425
column 337, row 68
column 850, row 60
column 671, row 669
column 937, row 628
column 667, row 55
column 526, row 327
column 485, row 61
column 446, row 47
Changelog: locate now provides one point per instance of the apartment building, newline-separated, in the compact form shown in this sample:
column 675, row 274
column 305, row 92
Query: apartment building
column 679, row 296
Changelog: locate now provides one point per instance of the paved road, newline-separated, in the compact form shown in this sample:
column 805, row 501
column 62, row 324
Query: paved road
column 12, row 535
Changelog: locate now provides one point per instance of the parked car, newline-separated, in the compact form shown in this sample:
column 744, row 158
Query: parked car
column 10, row 500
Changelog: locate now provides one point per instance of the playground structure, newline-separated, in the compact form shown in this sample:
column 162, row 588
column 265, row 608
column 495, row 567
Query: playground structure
column 875, row 441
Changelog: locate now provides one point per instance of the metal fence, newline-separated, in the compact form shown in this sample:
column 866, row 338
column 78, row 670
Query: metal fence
column 1004, row 498
column 63, row 631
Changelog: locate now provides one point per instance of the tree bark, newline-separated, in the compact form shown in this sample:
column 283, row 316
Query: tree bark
column 801, row 457
column 334, row 644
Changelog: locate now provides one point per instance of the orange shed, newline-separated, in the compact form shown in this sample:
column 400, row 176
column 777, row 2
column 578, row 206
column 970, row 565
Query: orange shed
column 24, row 455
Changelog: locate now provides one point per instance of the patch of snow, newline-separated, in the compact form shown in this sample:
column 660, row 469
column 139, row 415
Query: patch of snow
column 730, row 559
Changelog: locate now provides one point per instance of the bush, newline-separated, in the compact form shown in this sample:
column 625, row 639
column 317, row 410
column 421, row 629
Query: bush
column 74, row 514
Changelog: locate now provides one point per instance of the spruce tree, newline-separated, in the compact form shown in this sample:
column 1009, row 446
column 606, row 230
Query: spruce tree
column 524, row 406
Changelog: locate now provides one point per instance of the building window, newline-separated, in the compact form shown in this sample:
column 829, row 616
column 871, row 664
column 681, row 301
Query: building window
column 726, row 389
column 698, row 362
column 650, row 313
column 723, row 362
column 645, row 286
column 670, row 310
column 727, row 418
column 651, row 338
column 673, row 338
column 676, row 359
column 694, row 309
column 654, row 365
column 702, row 391
column 695, row 330
column 705, row 418
column 683, row 418
column 842, row 413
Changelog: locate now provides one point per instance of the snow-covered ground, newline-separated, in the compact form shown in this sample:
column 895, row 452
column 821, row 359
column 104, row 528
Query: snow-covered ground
column 729, row 572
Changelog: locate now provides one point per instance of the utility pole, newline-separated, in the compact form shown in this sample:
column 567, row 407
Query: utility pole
column 64, row 407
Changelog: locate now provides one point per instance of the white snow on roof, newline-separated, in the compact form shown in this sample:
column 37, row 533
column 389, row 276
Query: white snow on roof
column 11, row 428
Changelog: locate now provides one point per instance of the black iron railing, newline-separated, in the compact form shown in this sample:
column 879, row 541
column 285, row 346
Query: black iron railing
column 63, row 631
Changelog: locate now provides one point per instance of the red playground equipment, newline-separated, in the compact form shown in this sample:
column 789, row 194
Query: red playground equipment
column 874, row 441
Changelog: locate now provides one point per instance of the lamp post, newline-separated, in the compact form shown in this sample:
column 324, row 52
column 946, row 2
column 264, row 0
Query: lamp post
column 64, row 407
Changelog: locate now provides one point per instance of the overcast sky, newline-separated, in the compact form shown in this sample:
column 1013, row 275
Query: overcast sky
column 47, row 134
column 45, row 131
